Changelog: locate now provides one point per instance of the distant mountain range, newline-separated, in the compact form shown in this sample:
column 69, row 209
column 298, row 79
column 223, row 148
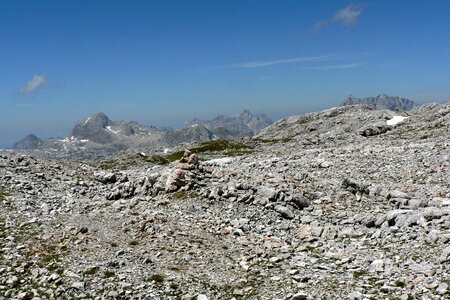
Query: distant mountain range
column 221, row 127
column 29, row 142
column 98, row 132
column 99, row 129
column 382, row 101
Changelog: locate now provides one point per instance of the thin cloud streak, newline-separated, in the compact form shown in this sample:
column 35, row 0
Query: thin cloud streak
column 346, row 16
column 259, row 64
column 330, row 67
column 36, row 82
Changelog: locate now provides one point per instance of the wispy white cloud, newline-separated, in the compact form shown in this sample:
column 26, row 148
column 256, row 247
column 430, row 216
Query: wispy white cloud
column 259, row 64
column 36, row 82
column 343, row 66
column 345, row 16
column 348, row 15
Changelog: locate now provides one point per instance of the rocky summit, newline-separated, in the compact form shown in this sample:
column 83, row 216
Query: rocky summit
column 382, row 101
column 29, row 142
column 347, row 203
column 97, row 136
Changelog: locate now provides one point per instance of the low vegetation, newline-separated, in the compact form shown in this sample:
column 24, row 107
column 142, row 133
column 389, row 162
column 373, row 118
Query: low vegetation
column 158, row 278
column 273, row 141
column 3, row 193
column 228, row 148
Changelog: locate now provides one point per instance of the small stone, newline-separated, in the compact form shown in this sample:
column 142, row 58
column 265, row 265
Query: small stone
column 202, row 297
column 23, row 296
column 275, row 278
column 78, row 285
column 442, row 288
column 284, row 211
column 304, row 232
column 398, row 194
column 54, row 277
column 275, row 259
column 355, row 296
column 83, row 230
column 113, row 294
column 377, row 266
column 12, row 281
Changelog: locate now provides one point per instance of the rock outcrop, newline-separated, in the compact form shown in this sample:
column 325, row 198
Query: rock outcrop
column 30, row 142
column 310, row 208
column 382, row 101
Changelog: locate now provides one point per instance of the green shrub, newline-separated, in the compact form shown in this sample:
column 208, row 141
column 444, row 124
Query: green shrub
column 3, row 193
column 158, row 278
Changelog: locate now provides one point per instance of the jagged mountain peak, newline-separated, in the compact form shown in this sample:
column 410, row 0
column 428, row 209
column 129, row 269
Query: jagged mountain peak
column 244, row 124
column 221, row 127
column 99, row 119
column 382, row 101
column 29, row 142
column 92, row 128
column 246, row 114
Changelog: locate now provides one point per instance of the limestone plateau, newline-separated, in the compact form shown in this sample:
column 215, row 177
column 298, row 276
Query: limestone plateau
column 346, row 203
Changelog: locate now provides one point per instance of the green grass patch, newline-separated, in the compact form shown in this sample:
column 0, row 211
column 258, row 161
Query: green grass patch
column 91, row 271
column 359, row 273
column 273, row 141
column 400, row 283
column 109, row 274
column 158, row 160
column 229, row 148
column 158, row 278
column 265, row 141
column 175, row 156
column 133, row 243
column 286, row 139
column 218, row 145
column 126, row 161
column 109, row 164
column 183, row 195
column 3, row 193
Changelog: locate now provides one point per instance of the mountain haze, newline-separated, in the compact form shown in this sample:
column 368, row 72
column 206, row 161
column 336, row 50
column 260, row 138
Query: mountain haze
column 382, row 101
column 29, row 142
column 97, row 135
column 245, row 124
column 221, row 127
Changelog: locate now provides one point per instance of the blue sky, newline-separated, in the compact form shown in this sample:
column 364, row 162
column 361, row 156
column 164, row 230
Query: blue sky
column 166, row 62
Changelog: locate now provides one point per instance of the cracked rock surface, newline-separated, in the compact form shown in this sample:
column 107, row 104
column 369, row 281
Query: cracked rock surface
column 329, row 205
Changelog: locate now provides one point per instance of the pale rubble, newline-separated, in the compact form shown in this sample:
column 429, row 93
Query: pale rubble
column 317, row 210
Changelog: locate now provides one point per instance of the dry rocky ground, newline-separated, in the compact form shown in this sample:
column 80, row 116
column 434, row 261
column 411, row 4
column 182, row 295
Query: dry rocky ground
column 330, row 205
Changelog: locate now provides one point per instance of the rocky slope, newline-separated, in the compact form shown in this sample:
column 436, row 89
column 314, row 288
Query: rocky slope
column 245, row 124
column 222, row 127
column 348, row 203
column 28, row 143
column 95, row 137
column 382, row 101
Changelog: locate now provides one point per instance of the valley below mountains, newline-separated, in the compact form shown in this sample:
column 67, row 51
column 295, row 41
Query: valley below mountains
column 346, row 203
